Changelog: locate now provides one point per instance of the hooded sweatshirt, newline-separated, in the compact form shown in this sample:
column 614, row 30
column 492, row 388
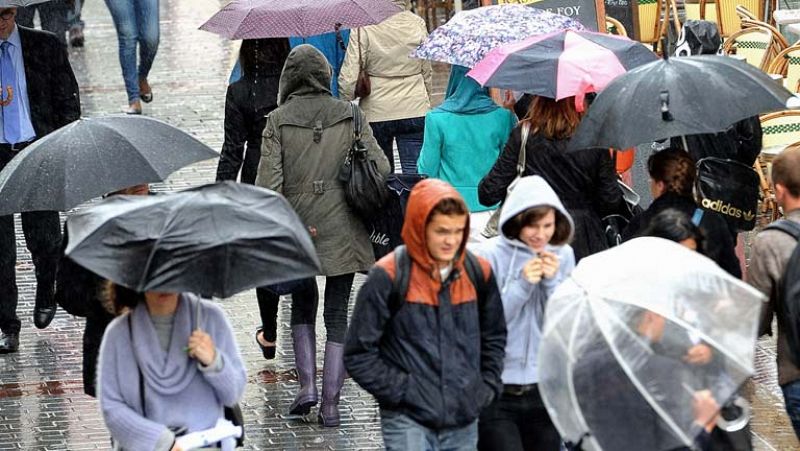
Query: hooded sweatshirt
column 524, row 302
column 437, row 355
column 464, row 136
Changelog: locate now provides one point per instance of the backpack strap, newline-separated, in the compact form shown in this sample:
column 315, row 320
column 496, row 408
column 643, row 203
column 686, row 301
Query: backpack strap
column 476, row 275
column 402, row 263
column 402, row 274
column 786, row 226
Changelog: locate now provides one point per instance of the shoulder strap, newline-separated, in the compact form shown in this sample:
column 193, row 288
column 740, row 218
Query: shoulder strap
column 356, row 120
column 476, row 275
column 136, row 362
column 526, row 130
column 402, row 274
column 697, row 217
column 787, row 226
column 358, row 38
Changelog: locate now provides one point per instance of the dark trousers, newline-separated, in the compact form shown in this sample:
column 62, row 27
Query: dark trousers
column 305, row 300
column 42, row 231
column 268, row 309
column 516, row 423
column 408, row 133
column 52, row 14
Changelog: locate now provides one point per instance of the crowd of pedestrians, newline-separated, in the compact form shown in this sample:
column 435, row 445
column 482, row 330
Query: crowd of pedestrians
column 446, row 329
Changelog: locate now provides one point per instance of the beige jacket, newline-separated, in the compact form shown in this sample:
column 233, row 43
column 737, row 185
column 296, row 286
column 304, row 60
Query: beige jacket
column 769, row 255
column 401, row 86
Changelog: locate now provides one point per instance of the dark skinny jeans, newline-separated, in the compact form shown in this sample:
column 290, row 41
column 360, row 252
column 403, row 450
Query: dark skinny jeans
column 305, row 300
column 517, row 423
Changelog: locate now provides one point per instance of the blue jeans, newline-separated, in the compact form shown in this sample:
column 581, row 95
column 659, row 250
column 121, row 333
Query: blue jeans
column 791, row 395
column 402, row 433
column 408, row 133
column 136, row 22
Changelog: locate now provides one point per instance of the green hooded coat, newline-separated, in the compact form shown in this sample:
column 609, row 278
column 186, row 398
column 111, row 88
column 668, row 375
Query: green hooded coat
column 304, row 144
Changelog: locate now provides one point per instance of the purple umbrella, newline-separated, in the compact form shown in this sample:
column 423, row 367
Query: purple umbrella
column 255, row 19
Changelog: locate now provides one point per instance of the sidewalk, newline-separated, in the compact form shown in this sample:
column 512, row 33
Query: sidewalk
column 42, row 405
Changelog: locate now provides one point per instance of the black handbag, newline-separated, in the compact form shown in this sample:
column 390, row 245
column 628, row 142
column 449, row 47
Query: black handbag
column 385, row 225
column 729, row 188
column 364, row 186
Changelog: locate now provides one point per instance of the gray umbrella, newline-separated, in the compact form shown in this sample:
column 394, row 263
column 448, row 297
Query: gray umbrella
column 20, row 3
column 94, row 156
column 215, row 240
column 676, row 97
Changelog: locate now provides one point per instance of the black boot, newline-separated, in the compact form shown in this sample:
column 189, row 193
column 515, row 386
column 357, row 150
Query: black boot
column 9, row 343
column 332, row 381
column 304, row 341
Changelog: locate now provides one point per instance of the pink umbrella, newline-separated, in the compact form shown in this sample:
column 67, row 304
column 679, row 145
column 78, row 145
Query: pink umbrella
column 561, row 64
column 255, row 19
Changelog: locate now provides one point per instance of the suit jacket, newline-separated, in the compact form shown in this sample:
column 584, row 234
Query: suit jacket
column 52, row 89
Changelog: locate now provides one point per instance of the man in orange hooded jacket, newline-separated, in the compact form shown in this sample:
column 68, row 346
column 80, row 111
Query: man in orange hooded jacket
column 431, row 356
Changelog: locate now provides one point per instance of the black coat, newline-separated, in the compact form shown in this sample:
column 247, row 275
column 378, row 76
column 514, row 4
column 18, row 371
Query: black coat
column 247, row 103
column 719, row 245
column 585, row 181
column 741, row 142
column 80, row 292
column 52, row 89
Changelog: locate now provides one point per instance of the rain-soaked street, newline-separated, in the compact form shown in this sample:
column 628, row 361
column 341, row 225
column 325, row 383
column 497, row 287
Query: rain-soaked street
column 42, row 404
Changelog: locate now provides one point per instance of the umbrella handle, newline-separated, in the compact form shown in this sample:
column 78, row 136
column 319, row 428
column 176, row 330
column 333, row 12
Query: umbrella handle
column 665, row 114
column 198, row 317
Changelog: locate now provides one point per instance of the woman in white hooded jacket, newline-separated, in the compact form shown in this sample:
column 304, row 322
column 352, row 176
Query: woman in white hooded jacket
column 530, row 258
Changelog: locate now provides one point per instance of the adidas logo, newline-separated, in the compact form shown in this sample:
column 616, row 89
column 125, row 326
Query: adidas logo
column 728, row 209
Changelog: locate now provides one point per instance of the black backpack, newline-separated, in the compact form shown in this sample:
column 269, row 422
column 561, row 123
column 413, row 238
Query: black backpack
column 403, row 272
column 789, row 290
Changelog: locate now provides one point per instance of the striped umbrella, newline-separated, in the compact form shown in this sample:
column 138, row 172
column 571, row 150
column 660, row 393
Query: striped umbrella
column 256, row 19
column 562, row 64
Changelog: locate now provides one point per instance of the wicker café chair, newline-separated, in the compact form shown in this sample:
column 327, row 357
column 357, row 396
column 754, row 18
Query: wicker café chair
column 754, row 44
column 787, row 64
column 729, row 20
column 613, row 26
column 649, row 21
column 780, row 130
column 700, row 10
column 779, row 43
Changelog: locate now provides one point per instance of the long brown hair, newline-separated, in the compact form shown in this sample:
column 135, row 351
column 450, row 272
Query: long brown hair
column 553, row 119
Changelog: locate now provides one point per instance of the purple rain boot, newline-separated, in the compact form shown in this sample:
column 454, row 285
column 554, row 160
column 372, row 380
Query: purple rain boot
column 304, row 341
column 332, row 379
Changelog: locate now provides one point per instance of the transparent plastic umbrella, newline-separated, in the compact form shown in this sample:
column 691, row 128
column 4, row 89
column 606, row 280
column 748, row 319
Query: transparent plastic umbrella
column 633, row 335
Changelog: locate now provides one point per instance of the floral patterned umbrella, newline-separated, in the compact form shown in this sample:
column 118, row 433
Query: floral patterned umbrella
column 470, row 35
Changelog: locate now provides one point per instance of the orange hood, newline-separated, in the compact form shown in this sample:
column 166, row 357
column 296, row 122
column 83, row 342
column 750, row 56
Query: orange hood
column 425, row 195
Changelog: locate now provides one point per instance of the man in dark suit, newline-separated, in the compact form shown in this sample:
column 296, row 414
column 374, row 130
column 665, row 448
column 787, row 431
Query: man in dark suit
column 39, row 94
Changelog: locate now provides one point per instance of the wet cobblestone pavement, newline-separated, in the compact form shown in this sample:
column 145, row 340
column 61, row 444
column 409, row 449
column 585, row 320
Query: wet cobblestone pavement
column 42, row 405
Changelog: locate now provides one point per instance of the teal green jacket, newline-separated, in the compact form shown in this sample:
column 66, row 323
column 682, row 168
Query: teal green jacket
column 464, row 136
column 461, row 148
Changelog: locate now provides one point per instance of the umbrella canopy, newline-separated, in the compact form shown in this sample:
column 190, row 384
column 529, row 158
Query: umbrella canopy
column 255, row 19
column 676, row 97
column 216, row 240
column 94, row 156
column 614, row 361
column 20, row 3
column 470, row 35
column 561, row 64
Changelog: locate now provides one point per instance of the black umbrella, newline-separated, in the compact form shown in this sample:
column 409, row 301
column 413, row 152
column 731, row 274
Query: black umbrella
column 215, row 240
column 93, row 156
column 677, row 97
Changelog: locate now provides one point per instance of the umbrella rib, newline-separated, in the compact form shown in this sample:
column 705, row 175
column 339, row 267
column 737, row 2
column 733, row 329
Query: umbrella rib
column 635, row 381
column 170, row 217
